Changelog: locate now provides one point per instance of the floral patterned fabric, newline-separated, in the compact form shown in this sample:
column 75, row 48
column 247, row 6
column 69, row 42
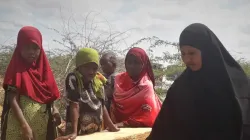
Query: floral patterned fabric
column 91, row 106
column 36, row 116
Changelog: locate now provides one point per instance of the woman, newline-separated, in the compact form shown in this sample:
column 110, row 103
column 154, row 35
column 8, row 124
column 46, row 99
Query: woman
column 135, row 103
column 30, row 90
column 86, row 112
column 210, row 100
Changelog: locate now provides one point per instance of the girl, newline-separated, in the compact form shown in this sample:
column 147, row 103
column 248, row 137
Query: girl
column 210, row 100
column 135, row 103
column 30, row 90
column 85, row 92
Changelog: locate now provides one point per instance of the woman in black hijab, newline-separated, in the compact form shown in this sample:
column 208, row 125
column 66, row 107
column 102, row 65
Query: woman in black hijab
column 210, row 100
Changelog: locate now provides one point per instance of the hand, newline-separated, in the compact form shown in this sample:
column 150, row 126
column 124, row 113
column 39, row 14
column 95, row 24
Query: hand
column 68, row 137
column 114, row 128
column 27, row 133
column 121, row 124
column 57, row 119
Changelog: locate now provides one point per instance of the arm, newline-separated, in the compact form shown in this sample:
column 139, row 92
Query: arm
column 13, row 100
column 56, row 115
column 25, row 128
column 74, row 115
column 108, row 121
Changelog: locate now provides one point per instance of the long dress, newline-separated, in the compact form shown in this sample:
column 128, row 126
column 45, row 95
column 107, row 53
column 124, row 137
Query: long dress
column 36, row 114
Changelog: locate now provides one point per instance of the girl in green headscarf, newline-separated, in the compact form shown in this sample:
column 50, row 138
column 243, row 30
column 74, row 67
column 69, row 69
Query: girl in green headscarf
column 86, row 112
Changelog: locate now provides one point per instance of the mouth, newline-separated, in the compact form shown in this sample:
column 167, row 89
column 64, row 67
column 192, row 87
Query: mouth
column 91, row 76
column 31, row 57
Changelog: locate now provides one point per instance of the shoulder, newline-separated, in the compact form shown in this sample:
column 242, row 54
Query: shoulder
column 120, row 75
column 179, row 84
column 71, row 81
column 71, row 76
column 113, row 76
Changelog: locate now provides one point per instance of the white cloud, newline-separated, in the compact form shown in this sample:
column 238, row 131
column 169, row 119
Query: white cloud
column 166, row 19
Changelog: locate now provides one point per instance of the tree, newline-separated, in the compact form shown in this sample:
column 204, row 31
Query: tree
column 245, row 66
column 78, row 35
column 6, row 52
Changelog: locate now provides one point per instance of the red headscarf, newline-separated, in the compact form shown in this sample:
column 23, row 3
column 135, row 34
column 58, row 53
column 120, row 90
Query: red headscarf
column 146, row 69
column 35, row 81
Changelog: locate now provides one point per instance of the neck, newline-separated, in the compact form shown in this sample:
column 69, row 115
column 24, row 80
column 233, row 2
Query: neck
column 135, row 79
column 108, row 74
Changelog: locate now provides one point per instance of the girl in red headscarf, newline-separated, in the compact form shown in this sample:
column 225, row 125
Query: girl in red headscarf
column 135, row 103
column 30, row 90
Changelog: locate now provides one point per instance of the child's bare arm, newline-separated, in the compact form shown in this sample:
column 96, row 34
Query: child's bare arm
column 74, row 115
column 13, row 100
column 111, row 126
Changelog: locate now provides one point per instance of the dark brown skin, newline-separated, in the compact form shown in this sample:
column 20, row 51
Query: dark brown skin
column 27, row 133
column 88, row 72
column 191, row 57
column 30, row 54
column 133, row 67
column 74, row 110
column 120, row 125
column 108, row 67
column 56, row 116
column 108, row 122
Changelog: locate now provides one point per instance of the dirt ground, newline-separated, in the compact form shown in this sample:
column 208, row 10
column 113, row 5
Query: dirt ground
column 136, row 137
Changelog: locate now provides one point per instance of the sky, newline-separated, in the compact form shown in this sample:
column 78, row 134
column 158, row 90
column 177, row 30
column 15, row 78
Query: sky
column 228, row 19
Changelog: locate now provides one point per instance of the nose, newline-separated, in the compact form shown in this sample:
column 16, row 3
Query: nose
column 91, row 71
column 31, row 51
column 187, row 60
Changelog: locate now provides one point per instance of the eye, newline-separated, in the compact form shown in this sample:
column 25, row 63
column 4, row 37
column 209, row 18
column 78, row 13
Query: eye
column 182, row 53
column 191, row 53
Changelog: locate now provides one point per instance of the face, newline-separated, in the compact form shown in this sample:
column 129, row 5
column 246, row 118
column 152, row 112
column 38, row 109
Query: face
column 88, row 71
column 107, row 66
column 31, row 53
column 133, row 66
column 191, row 57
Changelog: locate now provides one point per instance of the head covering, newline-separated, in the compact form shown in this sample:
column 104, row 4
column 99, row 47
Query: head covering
column 87, row 55
column 146, row 70
column 129, row 97
column 35, row 81
column 212, row 103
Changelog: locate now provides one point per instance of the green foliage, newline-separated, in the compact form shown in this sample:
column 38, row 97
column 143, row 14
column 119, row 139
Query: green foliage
column 245, row 66
column 4, row 61
column 6, row 52
column 172, row 71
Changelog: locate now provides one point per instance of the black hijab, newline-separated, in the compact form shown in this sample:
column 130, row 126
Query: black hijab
column 209, row 104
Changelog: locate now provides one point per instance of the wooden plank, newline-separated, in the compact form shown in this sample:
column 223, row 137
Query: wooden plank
column 123, row 134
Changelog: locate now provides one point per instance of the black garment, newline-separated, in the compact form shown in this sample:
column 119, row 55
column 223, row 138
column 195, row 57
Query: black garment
column 210, row 104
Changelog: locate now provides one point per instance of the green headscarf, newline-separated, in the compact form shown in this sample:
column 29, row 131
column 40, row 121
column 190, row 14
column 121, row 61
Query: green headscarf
column 88, row 55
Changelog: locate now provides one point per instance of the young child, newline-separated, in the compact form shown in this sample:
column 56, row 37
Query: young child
column 30, row 90
column 85, row 91
column 108, row 64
